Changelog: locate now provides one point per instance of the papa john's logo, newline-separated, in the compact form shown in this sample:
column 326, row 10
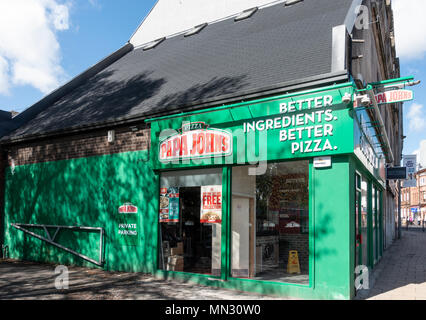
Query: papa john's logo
column 127, row 208
column 196, row 140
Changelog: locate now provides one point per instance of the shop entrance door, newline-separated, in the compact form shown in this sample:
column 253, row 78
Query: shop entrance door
column 197, row 237
column 190, row 221
column 358, row 235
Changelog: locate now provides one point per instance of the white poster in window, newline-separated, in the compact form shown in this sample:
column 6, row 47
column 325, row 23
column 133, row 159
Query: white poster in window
column 211, row 204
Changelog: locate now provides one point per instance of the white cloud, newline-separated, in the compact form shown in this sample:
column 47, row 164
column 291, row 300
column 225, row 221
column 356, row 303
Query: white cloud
column 416, row 118
column 410, row 28
column 95, row 3
column 28, row 43
column 421, row 154
column 4, row 69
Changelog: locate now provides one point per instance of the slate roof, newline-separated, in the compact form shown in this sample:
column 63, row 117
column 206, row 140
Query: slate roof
column 5, row 122
column 276, row 45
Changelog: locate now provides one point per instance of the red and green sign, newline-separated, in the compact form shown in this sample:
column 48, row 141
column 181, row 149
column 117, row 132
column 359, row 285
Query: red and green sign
column 196, row 140
column 127, row 224
column 306, row 124
column 394, row 96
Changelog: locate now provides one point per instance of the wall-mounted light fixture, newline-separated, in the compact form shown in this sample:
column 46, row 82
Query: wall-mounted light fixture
column 111, row 136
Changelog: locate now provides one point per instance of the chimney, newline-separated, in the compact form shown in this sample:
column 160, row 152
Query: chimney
column 8, row 115
column 14, row 113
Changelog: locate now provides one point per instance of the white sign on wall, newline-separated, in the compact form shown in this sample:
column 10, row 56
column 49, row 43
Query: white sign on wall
column 394, row 96
column 410, row 162
column 322, row 162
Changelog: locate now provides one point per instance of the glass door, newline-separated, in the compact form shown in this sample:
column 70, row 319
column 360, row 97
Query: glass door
column 364, row 222
column 358, row 223
column 190, row 221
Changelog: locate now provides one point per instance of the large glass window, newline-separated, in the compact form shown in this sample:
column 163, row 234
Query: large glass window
column 379, row 223
column 358, row 236
column 190, row 221
column 270, row 223
column 375, row 229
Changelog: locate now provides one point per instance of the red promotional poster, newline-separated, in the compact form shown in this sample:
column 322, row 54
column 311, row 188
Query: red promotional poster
column 211, row 204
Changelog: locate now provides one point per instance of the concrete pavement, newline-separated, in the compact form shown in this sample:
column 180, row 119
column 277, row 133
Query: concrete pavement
column 28, row 281
column 401, row 274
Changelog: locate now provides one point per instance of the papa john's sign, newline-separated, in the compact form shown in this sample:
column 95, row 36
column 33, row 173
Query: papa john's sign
column 196, row 140
column 394, row 96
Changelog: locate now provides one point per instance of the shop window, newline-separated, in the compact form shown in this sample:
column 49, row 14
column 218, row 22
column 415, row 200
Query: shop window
column 375, row 229
column 190, row 221
column 270, row 223
column 364, row 220
column 358, row 237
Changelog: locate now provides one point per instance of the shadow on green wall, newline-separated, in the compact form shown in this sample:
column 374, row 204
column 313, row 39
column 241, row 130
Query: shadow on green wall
column 83, row 192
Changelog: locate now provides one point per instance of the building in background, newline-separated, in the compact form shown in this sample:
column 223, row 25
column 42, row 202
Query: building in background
column 226, row 150
column 413, row 199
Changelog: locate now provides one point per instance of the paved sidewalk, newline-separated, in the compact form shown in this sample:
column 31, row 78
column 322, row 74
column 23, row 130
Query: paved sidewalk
column 26, row 280
column 401, row 274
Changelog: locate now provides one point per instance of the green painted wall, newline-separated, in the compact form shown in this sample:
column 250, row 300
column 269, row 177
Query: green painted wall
column 333, row 219
column 85, row 192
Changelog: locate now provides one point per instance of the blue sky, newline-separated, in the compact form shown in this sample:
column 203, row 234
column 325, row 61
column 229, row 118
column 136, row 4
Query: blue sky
column 47, row 43
column 94, row 29
column 415, row 111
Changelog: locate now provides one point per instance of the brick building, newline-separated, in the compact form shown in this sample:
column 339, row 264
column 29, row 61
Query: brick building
column 159, row 148
column 413, row 199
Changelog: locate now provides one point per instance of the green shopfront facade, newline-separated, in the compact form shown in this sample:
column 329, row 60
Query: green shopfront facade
column 292, row 173
column 223, row 197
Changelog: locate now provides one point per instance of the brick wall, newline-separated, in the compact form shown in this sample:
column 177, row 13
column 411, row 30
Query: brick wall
column 79, row 145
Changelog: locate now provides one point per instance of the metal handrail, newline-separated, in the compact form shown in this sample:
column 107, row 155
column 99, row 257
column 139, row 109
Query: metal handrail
column 51, row 240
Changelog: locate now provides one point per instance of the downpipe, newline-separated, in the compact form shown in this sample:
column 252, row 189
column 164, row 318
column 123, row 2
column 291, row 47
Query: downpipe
column 370, row 93
column 4, row 251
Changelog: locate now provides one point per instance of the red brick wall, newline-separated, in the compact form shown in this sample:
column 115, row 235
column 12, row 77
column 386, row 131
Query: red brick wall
column 79, row 145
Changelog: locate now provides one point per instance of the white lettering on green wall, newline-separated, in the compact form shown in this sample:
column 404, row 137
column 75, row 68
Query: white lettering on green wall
column 307, row 131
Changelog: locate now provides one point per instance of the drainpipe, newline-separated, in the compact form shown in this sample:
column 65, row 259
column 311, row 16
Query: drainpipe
column 389, row 154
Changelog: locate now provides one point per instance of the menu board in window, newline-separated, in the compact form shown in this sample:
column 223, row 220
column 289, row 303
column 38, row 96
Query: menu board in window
column 169, row 204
